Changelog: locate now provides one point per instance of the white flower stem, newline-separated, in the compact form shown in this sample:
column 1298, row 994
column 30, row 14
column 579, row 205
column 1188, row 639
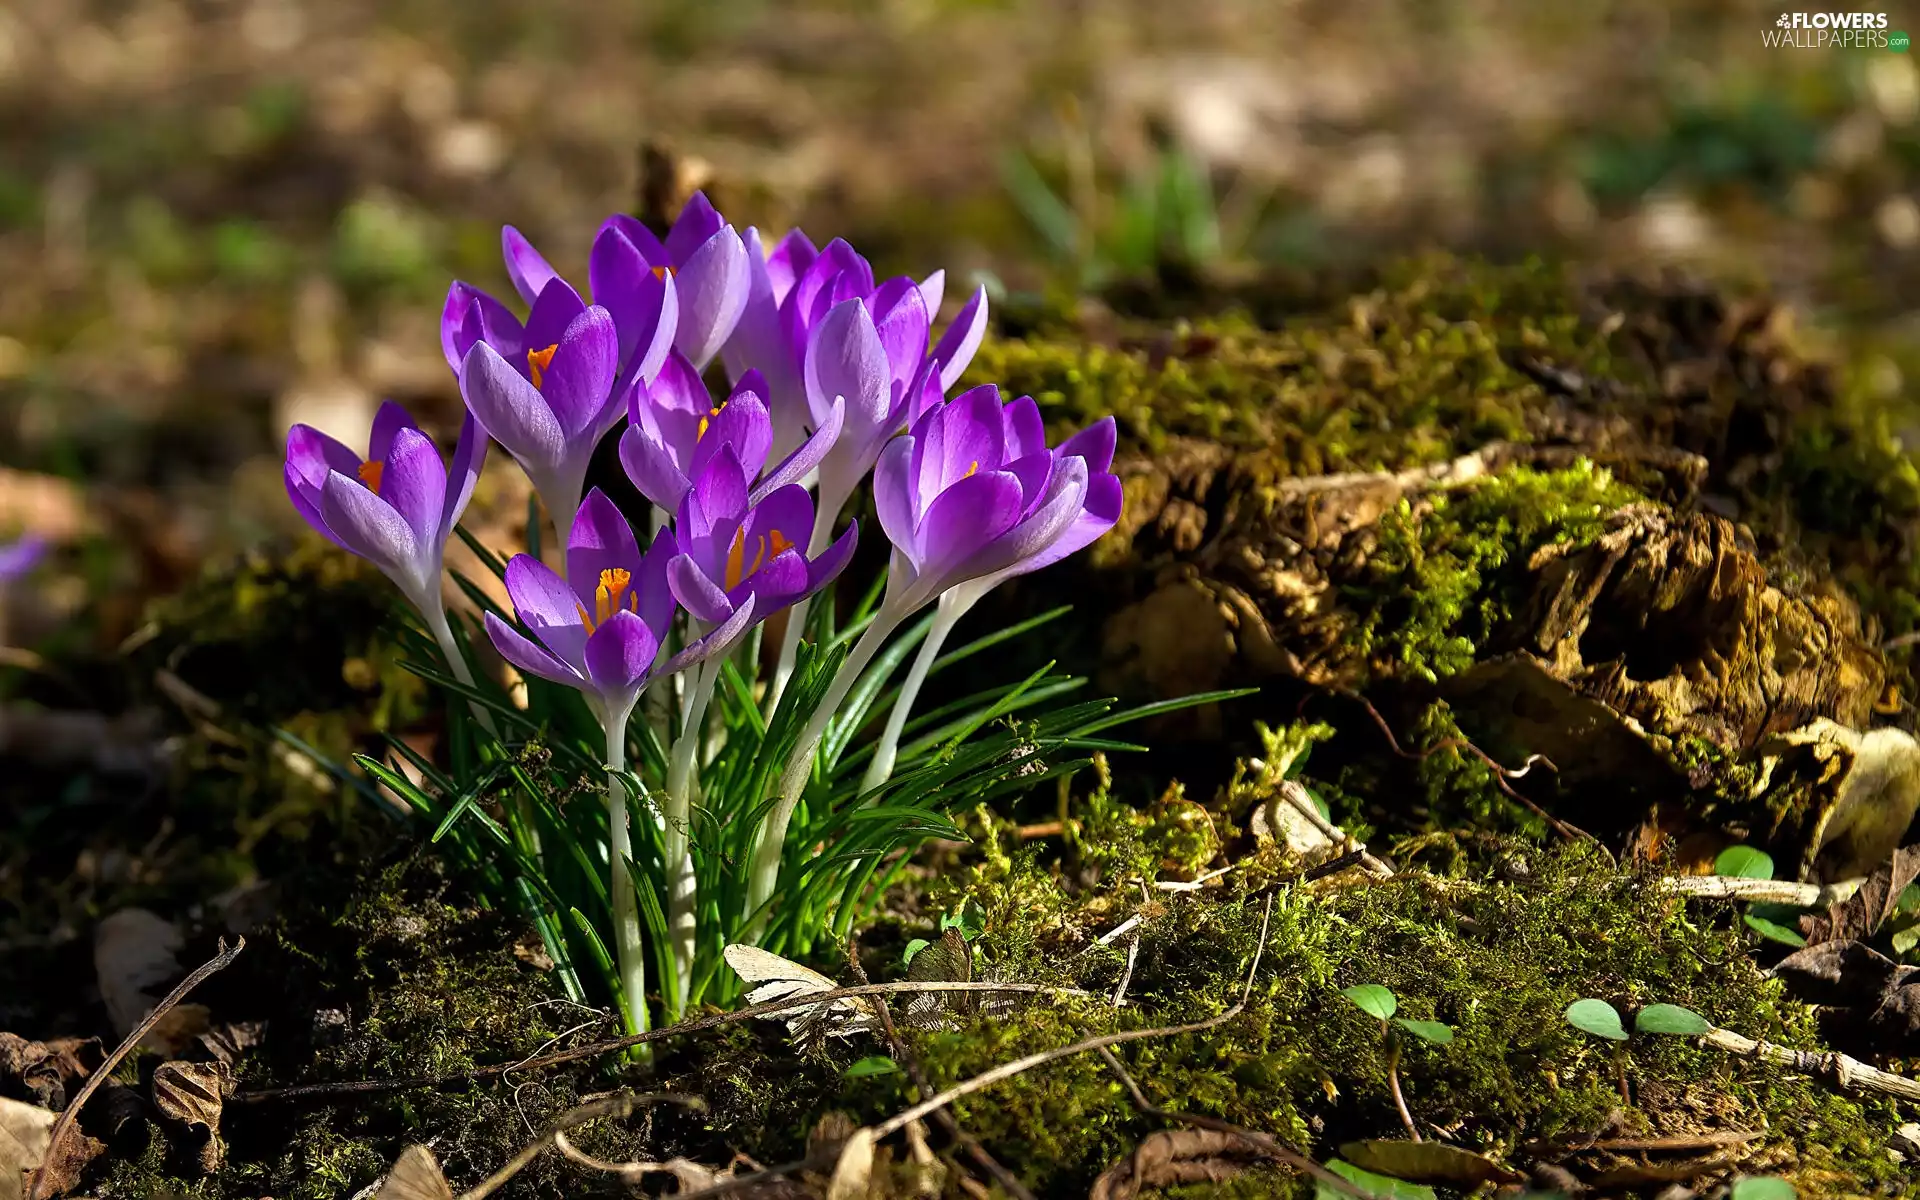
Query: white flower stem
column 436, row 617
column 793, row 782
column 629, row 958
column 676, row 843
column 823, row 518
column 953, row 606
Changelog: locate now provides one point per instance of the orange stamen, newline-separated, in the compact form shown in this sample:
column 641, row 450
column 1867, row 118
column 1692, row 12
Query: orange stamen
column 663, row 272
column 736, row 558
column 607, row 597
column 708, row 420
column 539, row 360
column 370, row 473
column 972, row 469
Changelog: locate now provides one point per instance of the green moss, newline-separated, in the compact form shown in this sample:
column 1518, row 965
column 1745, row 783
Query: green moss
column 1431, row 590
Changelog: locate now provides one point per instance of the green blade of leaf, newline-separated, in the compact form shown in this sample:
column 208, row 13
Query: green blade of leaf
column 1372, row 999
column 1431, row 1031
column 1671, row 1019
column 1744, row 862
column 1598, row 1018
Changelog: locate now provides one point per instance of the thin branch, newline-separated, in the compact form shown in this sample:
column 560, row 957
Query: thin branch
column 71, row 1113
column 1295, row 794
column 1838, row 1069
column 400, row 1083
column 1772, row 891
column 1004, row 1071
column 617, row 1106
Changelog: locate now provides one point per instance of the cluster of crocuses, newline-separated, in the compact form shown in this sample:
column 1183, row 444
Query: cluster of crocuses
column 832, row 378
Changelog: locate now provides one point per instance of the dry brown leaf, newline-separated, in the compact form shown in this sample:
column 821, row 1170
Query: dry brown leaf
column 133, row 953
column 26, row 1130
column 415, row 1176
column 191, row 1095
column 228, row 1041
column 1427, row 1162
column 853, row 1174
column 44, row 1071
column 1176, row 1156
column 532, row 951
column 1860, row 915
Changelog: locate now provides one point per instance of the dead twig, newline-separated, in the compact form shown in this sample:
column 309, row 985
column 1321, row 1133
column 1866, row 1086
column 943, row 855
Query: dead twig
column 948, row 1122
column 1771, row 891
column 400, row 1083
column 1266, row 1142
column 71, row 1113
column 1840, row 1070
column 1295, row 794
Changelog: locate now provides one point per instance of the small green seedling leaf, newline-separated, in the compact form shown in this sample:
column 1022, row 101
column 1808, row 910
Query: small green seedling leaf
column 873, row 1064
column 1367, row 1181
column 1744, row 862
column 1670, row 1018
column 1598, row 1018
column 1432, row 1031
column 1372, row 999
column 1762, row 1187
column 914, row 947
column 1775, row 922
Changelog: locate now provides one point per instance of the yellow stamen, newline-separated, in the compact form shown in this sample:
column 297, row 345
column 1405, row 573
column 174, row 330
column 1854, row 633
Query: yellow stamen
column 370, row 473
column 736, row 558
column 663, row 272
column 708, row 420
column 539, row 360
column 972, row 469
column 780, row 542
column 607, row 597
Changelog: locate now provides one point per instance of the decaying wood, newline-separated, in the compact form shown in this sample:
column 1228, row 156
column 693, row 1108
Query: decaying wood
column 1840, row 1070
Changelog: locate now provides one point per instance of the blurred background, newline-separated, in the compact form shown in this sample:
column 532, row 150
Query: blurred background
column 218, row 217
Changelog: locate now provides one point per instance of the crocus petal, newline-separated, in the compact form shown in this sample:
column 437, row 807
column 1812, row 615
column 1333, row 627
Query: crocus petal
column 1099, row 512
column 933, row 289
column 547, row 606
column 651, row 321
column 619, row 656
column 388, row 420
column 788, row 511
column 893, row 493
column 900, row 320
column 827, row 565
column 964, row 519
column 470, row 316
column 961, row 341
column 558, row 307
column 796, row 465
column 413, row 481
column 718, row 641
column 528, row 270
column 1094, row 443
column 791, row 256
column 656, row 606
column 369, row 527
column 966, row 436
column 652, row 469
column 579, row 379
column 713, row 293
column 528, row 657
column 780, row 581
column 741, row 424
column 720, row 492
column 636, row 232
column 1065, row 497
column 845, row 358
column 601, row 540
column 693, row 228
column 924, row 394
column 645, row 306
column 312, row 454
column 20, row 556
column 1026, row 432
column 509, row 408
column 696, row 592
column 469, row 457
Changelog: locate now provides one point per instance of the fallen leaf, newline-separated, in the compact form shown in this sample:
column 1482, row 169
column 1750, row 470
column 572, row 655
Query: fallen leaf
column 25, row 1130
column 532, row 951
column 853, row 1174
column 415, row 1176
column 134, row 952
column 228, row 1041
column 44, row 1071
column 1841, row 974
column 191, row 1095
column 1861, row 914
column 26, row 1134
column 1427, row 1162
column 1176, row 1156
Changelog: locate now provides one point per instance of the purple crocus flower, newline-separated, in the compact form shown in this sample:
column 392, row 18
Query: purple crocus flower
column 792, row 290
column 21, row 556
column 396, row 507
column 552, row 416
column 644, row 304
column 734, row 552
column 973, row 492
column 601, row 627
column 708, row 261
column 674, row 431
